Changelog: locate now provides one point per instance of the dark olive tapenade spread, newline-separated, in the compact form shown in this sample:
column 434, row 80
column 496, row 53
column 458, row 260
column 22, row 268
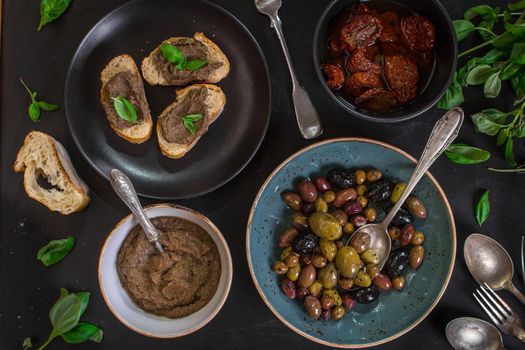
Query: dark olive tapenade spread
column 172, row 125
column 191, row 49
column 120, row 85
column 174, row 284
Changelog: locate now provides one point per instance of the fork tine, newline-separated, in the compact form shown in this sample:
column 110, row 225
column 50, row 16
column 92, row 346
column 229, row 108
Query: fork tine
column 523, row 258
column 494, row 320
column 499, row 314
column 509, row 310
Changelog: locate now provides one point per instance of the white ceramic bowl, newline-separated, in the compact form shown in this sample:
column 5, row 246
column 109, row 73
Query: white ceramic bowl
column 125, row 309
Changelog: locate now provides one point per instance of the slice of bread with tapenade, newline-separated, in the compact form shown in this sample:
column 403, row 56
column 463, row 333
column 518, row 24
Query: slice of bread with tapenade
column 157, row 70
column 121, row 77
column 175, row 136
column 43, row 156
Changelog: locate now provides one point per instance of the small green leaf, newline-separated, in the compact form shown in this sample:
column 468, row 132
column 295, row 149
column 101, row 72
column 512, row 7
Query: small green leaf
column 27, row 343
column 503, row 134
column 506, row 16
column 463, row 28
column 510, row 70
column 494, row 55
column 125, row 109
column 84, row 301
column 55, row 251
column 489, row 121
column 461, row 153
column 51, row 10
column 481, row 10
column 48, row 107
column 83, row 332
column 34, row 112
column 65, row 313
column 194, row 65
column 171, row 53
column 520, row 5
column 483, row 208
column 453, row 97
column 492, row 86
column 509, row 152
column 518, row 53
column 518, row 85
column 188, row 122
column 505, row 40
column 519, row 131
column 479, row 74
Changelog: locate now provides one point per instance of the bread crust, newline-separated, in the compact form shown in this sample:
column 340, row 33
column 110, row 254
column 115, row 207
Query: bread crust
column 140, row 132
column 154, row 77
column 175, row 150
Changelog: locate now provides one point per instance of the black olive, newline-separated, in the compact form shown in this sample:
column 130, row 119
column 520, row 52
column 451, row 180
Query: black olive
column 305, row 242
column 397, row 263
column 402, row 218
column 365, row 295
column 341, row 177
column 380, row 191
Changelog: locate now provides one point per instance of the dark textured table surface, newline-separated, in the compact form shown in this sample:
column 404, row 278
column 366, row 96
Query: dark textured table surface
column 27, row 289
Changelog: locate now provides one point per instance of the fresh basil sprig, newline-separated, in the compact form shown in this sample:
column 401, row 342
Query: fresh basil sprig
column 51, row 10
column 55, row 251
column 65, row 315
column 461, row 153
column 189, row 120
column 504, row 61
column 36, row 106
column 27, row 343
column 483, row 208
column 125, row 109
column 175, row 56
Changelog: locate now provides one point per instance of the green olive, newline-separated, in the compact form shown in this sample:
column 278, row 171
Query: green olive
column 286, row 251
column 315, row 288
column 280, row 267
column 371, row 214
column 338, row 312
column 373, row 175
column 394, row 233
column 328, row 249
column 360, row 177
column 346, row 283
column 293, row 273
column 328, row 276
column 370, row 256
column 299, row 221
column 329, row 196
column 325, row 226
column 292, row 260
column 347, row 261
column 418, row 238
column 363, row 201
column 332, row 292
column 398, row 190
column 321, row 205
column 362, row 279
column 361, row 190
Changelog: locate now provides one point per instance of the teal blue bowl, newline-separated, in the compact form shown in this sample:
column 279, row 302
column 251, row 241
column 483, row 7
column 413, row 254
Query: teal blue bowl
column 395, row 313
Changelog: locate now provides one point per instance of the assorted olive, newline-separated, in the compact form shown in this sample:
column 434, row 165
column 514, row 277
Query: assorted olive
column 323, row 264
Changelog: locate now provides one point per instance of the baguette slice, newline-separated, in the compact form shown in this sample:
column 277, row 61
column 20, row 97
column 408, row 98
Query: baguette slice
column 141, row 131
column 214, row 104
column 42, row 155
column 214, row 55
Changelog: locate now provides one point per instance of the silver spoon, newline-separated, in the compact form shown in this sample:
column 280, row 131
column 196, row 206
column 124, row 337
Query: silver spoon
column 469, row 333
column 125, row 190
column 489, row 262
column 305, row 112
column 444, row 132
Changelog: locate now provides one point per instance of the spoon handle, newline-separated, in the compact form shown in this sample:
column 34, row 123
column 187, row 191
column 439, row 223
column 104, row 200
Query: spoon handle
column 444, row 132
column 125, row 190
column 512, row 288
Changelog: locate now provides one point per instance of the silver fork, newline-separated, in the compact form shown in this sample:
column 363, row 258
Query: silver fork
column 499, row 312
column 305, row 112
column 523, row 259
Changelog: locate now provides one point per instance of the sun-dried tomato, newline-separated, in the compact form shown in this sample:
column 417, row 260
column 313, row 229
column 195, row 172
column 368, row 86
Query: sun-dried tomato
column 402, row 76
column 335, row 75
column 358, row 62
column 376, row 100
column 360, row 32
column 359, row 82
column 418, row 32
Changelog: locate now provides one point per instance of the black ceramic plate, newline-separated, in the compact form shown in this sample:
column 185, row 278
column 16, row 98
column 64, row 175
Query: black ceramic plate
column 137, row 28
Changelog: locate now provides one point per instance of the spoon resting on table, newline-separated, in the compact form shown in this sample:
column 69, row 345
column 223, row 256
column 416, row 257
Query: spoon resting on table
column 469, row 333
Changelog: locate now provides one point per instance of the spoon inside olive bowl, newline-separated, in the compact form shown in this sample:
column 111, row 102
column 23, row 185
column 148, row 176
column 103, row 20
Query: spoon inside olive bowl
column 469, row 333
column 125, row 190
column 488, row 262
column 444, row 132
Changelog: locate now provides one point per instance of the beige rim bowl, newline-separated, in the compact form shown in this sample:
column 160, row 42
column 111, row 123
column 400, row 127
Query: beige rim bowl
column 125, row 309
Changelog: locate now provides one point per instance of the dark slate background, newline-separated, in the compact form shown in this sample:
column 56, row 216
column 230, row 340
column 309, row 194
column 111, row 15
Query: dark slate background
column 27, row 289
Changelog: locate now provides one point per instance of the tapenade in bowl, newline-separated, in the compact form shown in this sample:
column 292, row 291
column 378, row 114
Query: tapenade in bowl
column 384, row 60
column 171, row 294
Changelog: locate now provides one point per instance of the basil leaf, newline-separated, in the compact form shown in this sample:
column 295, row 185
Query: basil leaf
column 65, row 313
column 27, row 343
column 34, row 112
column 492, row 86
column 517, row 6
column 483, row 208
column 194, row 65
column 181, row 64
column 506, row 16
column 481, row 10
column 510, row 70
column 83, row 332
column 503, row 134
column 509, row 152
column 51, row 10
column 518, row 53
column 505, row 40
column 487, row 23
column 188, row 124
column 479, row 74
column 125, row 109
column 63, row 293
column 171, row 53
column 453, row 97
column 519, row 131
column 55, row 251
column 518, row 85
column 461, row 153
column 48, row 107
column 84, row 301
column 494, row 55
column 194, row 117
column 489, row 121
column 463, row 28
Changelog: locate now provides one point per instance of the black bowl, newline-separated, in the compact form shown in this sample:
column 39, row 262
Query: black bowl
column 445, row 51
